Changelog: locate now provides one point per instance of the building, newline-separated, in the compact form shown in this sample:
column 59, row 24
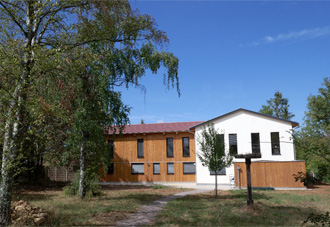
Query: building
column 245, row 132
column 162, row 152
column 166, row 152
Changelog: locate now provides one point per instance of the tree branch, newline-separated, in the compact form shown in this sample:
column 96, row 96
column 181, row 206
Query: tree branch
column 13, row 17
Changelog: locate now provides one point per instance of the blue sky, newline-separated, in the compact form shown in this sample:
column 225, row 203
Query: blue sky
column 235, row 54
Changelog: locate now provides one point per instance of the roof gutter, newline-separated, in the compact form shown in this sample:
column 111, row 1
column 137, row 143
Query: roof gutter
column 191, row 131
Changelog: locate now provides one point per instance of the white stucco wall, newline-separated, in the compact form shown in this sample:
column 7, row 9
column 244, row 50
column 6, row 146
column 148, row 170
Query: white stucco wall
column 243, row 123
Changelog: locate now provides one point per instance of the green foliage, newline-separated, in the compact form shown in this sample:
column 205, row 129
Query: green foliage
column 212, row 150
column 61, row 64
column 277, row 107
column 318, row 219
column 159, row 187
column 313, row 141
column 92, row 186
column 307, row 179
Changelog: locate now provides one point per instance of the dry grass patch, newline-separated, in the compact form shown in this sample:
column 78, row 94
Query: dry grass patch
column 271, row 208
column 116, row 203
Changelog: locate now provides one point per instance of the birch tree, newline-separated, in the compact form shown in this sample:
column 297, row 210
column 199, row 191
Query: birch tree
column 35, row 30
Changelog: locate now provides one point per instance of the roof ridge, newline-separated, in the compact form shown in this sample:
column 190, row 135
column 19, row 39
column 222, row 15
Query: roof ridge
column 178, row 122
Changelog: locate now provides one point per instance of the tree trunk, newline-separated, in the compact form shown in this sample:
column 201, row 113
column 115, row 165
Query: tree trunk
column 6, row 176
column 82, row 178
column 14, row 132
column 10, row 149
column 216, row 184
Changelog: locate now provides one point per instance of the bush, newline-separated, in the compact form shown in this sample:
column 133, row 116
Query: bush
column 307, row 179
column 92, row 186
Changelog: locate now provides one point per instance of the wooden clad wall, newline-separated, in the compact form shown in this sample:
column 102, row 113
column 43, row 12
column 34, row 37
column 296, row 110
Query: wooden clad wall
column 271, row 174
column 125, row 153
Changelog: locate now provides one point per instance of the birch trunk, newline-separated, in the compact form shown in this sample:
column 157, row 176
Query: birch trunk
column 14, row 130
column 13, row 135
column 6, row 175
column 82, row 178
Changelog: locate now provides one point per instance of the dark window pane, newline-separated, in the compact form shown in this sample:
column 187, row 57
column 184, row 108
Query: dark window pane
column 170, row 168
column 221, row 137
column 111, row 169
column 185, row 147
column 140, row 148
column 189, row 168
column 169, row 147
column 110, row 147
column 220, row 143
column 233, row 143
column 275, row 138
column 156, row 168
column 137, row 168
column 219, row 172
column 255, row 143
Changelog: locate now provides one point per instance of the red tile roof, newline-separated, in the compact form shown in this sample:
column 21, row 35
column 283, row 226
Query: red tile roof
column 158, row 127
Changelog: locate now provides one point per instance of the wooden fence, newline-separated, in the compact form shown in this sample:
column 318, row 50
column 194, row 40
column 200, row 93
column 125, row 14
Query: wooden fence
column 270, row 174
column 61, row 174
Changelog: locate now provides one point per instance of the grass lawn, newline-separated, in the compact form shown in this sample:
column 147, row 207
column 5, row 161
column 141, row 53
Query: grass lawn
column 271, row 208
column 116, row 203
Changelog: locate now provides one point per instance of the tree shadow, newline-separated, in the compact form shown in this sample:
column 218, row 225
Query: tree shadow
column 232, row 210
column 33, row 197
column 124, row 187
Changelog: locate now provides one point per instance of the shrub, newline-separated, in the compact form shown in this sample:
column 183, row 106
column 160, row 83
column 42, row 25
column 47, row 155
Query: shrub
column 92, row 186
column 307, row 179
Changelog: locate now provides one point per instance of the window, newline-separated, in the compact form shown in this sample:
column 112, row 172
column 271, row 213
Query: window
column 140, row 148
column 169, row 147
column 189, row 168
column 221, row 137
column 185, row 147
column 137, row 168
column 156, row 168
column 233, row 143
column 255, row 140
column 275, row 138
column 110, row 147
column 219, row 172
column 170, row 168
column 111, row 169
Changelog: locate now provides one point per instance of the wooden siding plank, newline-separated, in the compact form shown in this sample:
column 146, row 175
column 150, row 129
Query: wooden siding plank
column 125, row 153
column 271, row 174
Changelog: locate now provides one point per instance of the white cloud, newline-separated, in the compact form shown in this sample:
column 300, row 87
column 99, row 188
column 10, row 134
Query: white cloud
column 293, row 36
column 160, row 121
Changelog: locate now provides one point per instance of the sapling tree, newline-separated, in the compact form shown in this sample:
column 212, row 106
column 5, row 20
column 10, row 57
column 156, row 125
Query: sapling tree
column 212, row 152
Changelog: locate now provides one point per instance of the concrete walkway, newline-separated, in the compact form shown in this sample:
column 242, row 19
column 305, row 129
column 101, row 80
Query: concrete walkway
column 147, row 213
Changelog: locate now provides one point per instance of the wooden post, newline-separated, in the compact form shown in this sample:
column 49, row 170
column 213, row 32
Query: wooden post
column 248, row 178
column 239, row 177
column 248, row 172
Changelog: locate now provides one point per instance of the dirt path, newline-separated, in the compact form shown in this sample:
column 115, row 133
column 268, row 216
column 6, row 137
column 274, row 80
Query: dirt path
column 146, row 214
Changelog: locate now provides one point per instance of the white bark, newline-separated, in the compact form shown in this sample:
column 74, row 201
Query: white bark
column 82, row 178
